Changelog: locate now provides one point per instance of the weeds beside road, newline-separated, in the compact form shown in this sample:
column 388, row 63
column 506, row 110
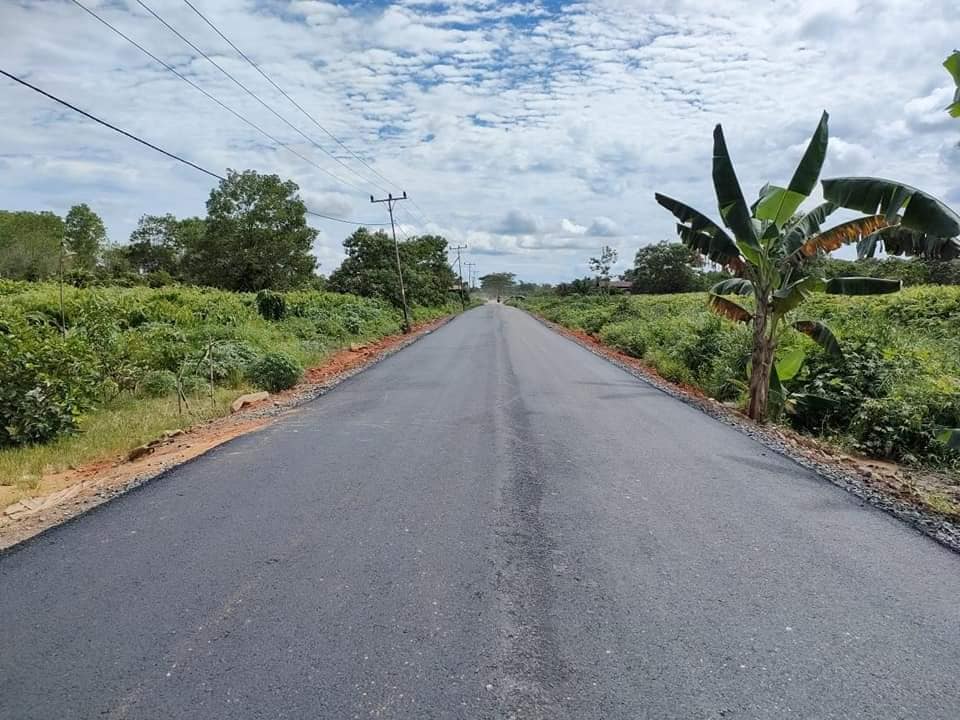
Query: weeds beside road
column 130, row 363
column 898, row 384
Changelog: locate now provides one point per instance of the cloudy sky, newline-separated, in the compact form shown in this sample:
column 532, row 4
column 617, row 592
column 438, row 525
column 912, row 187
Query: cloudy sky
column 533, row 132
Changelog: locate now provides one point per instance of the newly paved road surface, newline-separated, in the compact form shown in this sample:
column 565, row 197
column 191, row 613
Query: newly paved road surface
column 492, row 523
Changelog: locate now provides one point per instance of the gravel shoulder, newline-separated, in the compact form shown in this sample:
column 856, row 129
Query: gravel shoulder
column 902, row 492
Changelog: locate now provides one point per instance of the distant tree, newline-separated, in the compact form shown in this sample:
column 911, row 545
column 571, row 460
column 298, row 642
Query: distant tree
column 498, row 283
column 84, row 235
column 159, row 242
column 256, row 236
column 665, row 268
column 30, row 244
column 370, row 268
column 580, row 286
column 602, row 265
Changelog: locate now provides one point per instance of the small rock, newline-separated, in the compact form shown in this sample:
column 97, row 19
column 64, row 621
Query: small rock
column 172, row 433
column 248, row 399
column 139, row 452
column 356, row 347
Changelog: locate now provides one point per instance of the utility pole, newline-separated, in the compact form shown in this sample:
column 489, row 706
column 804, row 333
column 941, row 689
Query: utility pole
column 390, row 200
column 463, row 300
column 470, row 267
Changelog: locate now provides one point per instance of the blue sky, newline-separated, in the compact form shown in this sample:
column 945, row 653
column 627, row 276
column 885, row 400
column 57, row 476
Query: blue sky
column 534, row 132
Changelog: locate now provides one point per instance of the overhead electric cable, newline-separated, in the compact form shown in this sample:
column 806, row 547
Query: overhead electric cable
column 242, row 54
column 158, row 149
column 283, row 92
column 250, row 92
column 226, row 107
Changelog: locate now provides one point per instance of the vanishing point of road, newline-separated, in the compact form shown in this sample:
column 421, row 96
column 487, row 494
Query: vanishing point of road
column 492, row 523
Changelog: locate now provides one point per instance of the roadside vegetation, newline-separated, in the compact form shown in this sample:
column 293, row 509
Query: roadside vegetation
column 895, row 389
column 105, row 346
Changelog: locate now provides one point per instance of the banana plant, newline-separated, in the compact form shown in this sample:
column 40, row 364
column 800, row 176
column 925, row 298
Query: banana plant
column 952, row 64
column 771, row 241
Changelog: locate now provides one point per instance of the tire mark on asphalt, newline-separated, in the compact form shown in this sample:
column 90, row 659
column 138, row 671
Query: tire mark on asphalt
column 531, row 670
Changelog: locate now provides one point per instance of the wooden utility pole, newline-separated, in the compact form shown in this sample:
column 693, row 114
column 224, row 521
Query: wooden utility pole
column 390, row 200
column 463, row 300
column 470, row 267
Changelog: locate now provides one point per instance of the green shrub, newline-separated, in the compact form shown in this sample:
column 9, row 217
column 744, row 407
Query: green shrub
column 47, row 383
column 116, row 336
column 896, row 387
column 275, row 372
column 157, row 383
column 271, row 305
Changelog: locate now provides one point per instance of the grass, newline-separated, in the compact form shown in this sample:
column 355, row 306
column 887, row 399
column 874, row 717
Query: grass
column 107, row 432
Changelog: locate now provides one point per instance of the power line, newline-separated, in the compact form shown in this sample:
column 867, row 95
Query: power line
column 196, row 87
column 150, row 145
column 294, row 102
column 420, row 210
column 253, row 95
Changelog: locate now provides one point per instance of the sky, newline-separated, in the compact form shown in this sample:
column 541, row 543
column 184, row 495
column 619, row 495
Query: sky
column 532, row 132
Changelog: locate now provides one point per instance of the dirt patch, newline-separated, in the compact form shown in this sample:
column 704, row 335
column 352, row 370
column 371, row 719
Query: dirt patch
column 927, row 500
column 63, row 495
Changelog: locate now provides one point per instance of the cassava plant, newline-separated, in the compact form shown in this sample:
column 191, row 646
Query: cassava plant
column 773, row 241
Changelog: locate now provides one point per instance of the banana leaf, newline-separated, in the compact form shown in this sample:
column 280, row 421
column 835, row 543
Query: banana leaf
column 698, row 232
column 733, row 207
column 808, row 224
column 808, row 171
column 820, row 334
column 733, row 286
column 876, row 196
column 952, row 64
column 862, row 286
column 842, row 234
column 903, row 241
column 729, row 309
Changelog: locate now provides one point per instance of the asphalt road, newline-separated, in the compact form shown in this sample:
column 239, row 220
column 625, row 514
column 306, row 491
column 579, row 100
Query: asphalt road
column 493, row 523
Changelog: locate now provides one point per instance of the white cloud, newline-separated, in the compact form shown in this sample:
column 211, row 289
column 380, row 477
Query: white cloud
column 527, row 131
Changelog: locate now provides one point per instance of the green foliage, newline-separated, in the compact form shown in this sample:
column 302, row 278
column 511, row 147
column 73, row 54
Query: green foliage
column 29, row 244
column 48, row 382
column 130, row 341
column 665, row 268
column 256, row 236
column 895, row 389
column 157, row 383
column 84, row 235
column 498, row 283
column 602, row 265
column 773, row 244
column 271, row 305
column 370, row 268
column 275, row 371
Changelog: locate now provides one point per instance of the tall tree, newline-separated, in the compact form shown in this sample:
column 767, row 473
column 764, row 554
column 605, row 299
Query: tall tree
column 370, row 268
column 29, row 244
column 602, row 265
column 256, row 236
column 84, row 235
column 665, row 268
column 499, row 283
column 159, row 241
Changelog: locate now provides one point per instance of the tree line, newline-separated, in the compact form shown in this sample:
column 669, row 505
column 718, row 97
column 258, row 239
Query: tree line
column 255, row 236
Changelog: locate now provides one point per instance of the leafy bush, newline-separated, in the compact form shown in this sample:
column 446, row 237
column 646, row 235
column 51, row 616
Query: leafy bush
column 271, row 305
column 131, row 340
column 898, row 384
column 275, row 372
column 157, row 383
column 47, row 384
